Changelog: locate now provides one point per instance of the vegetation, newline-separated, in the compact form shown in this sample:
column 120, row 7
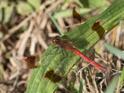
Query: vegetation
column 31, row 63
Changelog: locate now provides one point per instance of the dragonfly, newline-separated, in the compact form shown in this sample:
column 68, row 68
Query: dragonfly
column 70, row 47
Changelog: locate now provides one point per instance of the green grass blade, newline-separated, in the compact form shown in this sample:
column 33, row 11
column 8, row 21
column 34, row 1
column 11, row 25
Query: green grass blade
column 112, row 85
column 56, row 24
column 117, row 83
column 114, row 51
column 121, row 79
column 68, row 13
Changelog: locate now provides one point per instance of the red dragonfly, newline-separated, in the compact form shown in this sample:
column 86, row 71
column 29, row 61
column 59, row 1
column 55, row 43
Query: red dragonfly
column 68, row 46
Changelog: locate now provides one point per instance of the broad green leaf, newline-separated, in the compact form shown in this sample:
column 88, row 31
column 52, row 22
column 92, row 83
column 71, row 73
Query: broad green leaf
column 24, row 8
column 114, row 51
column 111, row 87
column 62, row 61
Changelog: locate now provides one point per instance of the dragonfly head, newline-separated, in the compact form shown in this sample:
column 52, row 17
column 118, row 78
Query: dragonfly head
column 56, row 40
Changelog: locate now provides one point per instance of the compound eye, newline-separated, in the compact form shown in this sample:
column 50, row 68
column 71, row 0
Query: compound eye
column 54, row 41
column 57, row 38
